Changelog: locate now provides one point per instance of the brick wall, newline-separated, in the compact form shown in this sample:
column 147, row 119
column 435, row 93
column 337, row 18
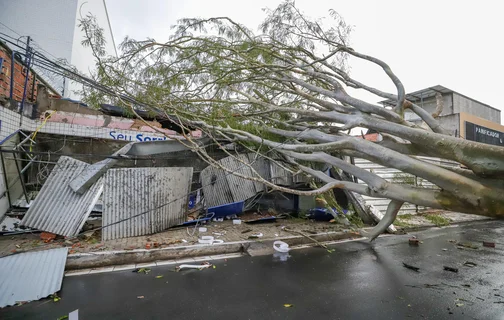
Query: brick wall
column 19, row 79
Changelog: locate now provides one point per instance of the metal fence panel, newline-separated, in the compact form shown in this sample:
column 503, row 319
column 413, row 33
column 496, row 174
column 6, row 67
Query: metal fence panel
column 140, row 201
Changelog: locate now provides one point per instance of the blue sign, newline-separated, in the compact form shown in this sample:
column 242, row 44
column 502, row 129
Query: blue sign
column 139, row 137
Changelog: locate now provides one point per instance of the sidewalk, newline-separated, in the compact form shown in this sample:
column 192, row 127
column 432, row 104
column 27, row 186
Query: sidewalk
column 225, row 230
column 90, row 252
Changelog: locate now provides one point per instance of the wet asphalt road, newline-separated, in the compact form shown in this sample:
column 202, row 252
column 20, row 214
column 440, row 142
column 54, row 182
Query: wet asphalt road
column 357, row 281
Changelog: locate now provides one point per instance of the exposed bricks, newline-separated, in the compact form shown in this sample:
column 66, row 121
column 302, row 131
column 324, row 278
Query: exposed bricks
column 19, row 79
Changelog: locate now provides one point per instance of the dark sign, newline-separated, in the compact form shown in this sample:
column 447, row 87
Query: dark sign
column 482, row 134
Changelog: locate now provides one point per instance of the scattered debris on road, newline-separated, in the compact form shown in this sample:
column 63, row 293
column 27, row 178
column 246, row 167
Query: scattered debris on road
column 413, row 241
column 468, row 245
column 452, row 269
column 47, row 236
column 140, row 297
column 488, row 244
column 281, row 246
column 142, row 270
column 202, row 266
column 31, row 276
column 470, row 264
column 408, row 266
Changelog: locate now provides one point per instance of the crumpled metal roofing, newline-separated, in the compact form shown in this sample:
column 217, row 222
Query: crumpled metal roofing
column 31, row 275
column 221, row 187
column 149, row 200
column 57, row 208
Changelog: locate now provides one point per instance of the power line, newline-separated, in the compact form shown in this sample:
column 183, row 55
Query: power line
column 10, row 29
column 45, row 62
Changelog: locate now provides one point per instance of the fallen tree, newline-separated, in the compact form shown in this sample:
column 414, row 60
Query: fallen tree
column 285, row 90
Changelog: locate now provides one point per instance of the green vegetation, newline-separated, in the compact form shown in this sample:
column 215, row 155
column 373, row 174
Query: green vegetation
column 401, row 220
column 401, row 224
column 355, row 220
column 403, row 178
column 437, row 220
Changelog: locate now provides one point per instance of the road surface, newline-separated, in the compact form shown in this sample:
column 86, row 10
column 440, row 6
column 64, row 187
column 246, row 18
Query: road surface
column 357, row 281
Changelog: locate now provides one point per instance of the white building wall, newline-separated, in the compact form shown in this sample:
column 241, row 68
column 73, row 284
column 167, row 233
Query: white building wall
column 52, row 24
column 82, row 57
column 47, row 22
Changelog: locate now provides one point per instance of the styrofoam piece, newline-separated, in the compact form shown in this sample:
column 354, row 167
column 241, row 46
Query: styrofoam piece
column 281, row 246
column 209, row 240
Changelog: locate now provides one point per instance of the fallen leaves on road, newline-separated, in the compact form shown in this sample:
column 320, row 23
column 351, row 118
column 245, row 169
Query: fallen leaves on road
column 288, row 305
column 159, row 277
column 55, row 297
column 142, row 270
column 62, row 318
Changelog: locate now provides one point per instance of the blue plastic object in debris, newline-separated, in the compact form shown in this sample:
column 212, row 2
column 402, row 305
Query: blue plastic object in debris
column 192, row 201
column 322, row 214
column 228, row 209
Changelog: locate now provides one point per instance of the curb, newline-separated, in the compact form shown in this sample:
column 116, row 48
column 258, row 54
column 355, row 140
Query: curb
column 122, row 257
column 453, row 224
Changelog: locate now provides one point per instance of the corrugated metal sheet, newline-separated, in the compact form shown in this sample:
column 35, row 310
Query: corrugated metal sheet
column 31, row 276
column 241, row 188
column 215, row 187
column 394, row 175
column 221, row 187
column 57, row 208
column 129, row 192
column 260, row 165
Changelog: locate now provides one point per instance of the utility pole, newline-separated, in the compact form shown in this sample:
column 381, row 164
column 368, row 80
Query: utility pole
column 27, row 50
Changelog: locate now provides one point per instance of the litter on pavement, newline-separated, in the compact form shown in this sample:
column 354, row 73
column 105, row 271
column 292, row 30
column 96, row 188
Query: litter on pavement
column 408, row 266
column 281, row 246
column 256, row 235
column 209, row 240
column 451, row 269
column 194, row 266
column 488, row 244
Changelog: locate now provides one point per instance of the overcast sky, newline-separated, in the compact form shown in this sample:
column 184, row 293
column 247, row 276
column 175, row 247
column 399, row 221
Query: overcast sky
column 457, row 44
